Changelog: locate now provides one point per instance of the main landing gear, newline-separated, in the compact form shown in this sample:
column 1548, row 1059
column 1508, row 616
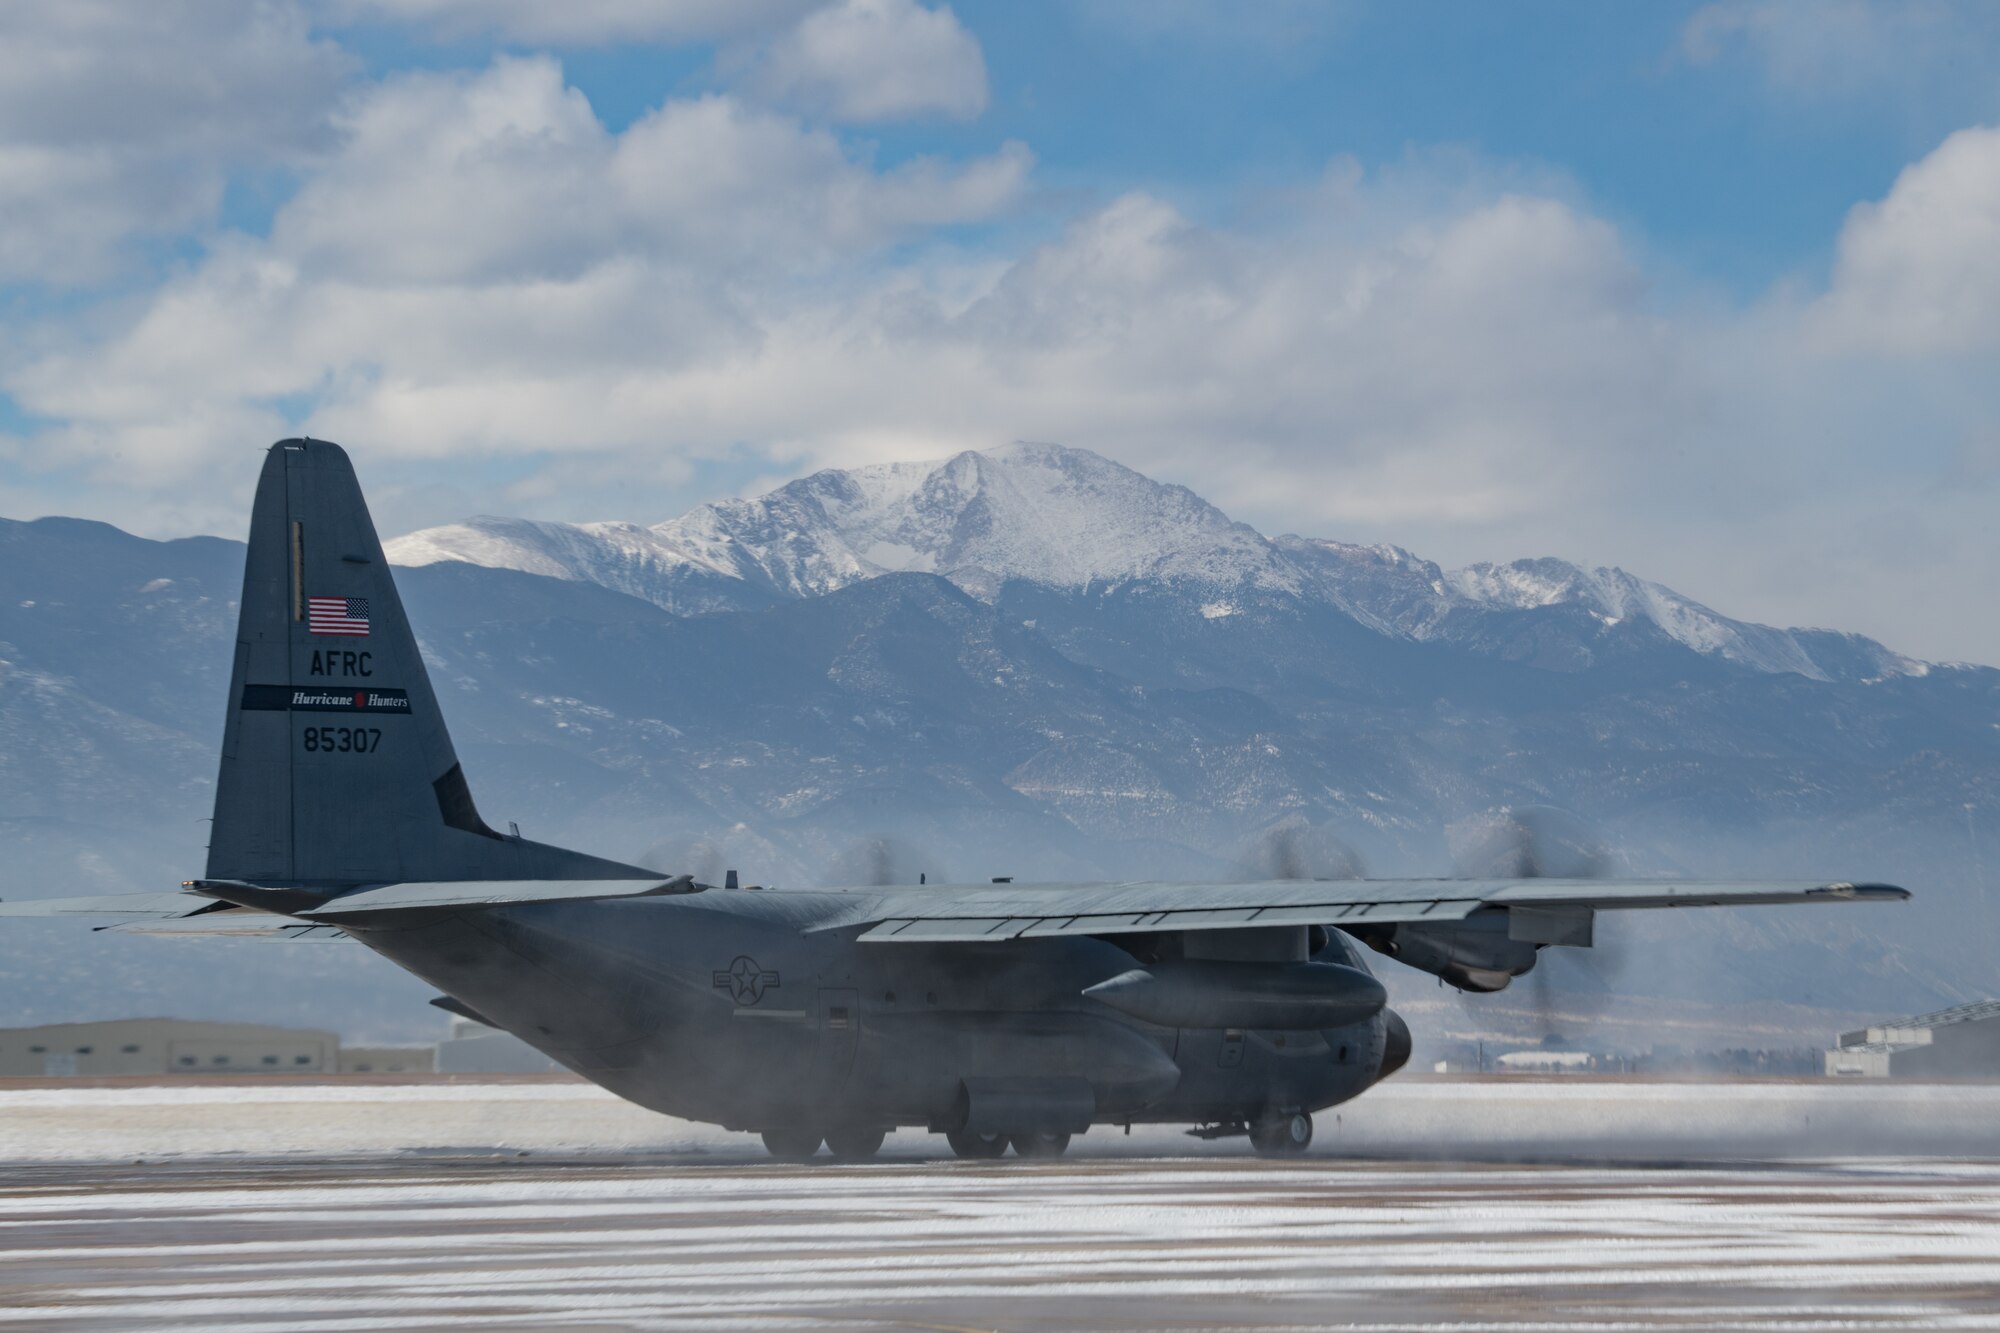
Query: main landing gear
column 977, row 1146
column 994, row 1145
column 854, row 1143
column 791, row 1144
column 1282, row 1135
column 1040, row 1145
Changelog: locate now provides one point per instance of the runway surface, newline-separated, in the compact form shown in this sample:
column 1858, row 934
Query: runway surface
column 723, row 1240
column 1497, row 1204
column 1498, row 1117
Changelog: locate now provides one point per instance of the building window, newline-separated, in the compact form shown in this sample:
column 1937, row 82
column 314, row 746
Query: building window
column 220, row 1060
column 302, row 1059
column 38, row 1050
column 186, row 1060
column 270, row 1059
column 129, row 1050
column 83, row 1050
column 363, row 1069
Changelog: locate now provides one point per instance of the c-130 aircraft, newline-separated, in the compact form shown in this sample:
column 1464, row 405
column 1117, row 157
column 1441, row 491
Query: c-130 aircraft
column 998, row 1014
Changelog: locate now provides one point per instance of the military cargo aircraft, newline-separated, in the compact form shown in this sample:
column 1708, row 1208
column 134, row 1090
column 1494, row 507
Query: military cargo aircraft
column 998, row 1014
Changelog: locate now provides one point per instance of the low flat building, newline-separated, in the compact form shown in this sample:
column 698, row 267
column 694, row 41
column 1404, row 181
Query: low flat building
column 1546, row 1062
column 1949, row 1043
column 164, row 1046
column 388, row 1059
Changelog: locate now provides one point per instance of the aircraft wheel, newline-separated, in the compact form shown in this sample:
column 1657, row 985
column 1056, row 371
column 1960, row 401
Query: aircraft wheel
column 978, row 1146
column 854, row 1143
column 1282, row 1136
column 1040, row 1145
column 791, row 1145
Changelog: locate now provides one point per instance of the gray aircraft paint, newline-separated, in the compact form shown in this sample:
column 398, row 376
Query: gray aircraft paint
column 336, row 766
column 342, row 811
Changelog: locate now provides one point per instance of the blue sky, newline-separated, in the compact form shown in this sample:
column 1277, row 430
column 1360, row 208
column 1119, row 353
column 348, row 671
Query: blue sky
column 1710, row 291
column 1736, row 172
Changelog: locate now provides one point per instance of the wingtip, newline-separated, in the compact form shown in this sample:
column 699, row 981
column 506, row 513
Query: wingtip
column 1883, row 893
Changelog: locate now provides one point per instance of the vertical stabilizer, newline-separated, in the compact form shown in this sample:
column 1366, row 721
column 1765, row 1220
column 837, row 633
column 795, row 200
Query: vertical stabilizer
column 336, row 766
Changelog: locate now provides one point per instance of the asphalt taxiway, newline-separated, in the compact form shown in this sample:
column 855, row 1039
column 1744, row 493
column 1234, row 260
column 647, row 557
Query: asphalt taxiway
column 475, row 1219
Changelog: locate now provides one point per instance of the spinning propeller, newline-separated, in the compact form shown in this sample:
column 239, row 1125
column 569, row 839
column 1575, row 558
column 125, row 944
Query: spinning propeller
column 883, row 860
column 1542, row 842
column 1295, row 848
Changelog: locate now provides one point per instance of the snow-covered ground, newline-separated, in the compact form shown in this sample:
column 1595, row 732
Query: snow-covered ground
column 1480, row 1118
column 1091, row 1243
column 1627, row 1206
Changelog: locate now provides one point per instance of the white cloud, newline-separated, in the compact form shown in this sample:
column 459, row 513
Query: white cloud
column 578, row 22
column 870, row 60
column 485, row 269
column 1460, row 360
column 119, row 121
column 1938, row 51
column 508, row 173
column 1919, row 272
column 844, row 60
column 483, row 266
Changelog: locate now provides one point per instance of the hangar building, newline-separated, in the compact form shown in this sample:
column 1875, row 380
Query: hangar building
column 164, row 1046
column 1950, row 1043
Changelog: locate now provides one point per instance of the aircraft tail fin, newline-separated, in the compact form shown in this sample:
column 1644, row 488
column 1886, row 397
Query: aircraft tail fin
column 336, row 767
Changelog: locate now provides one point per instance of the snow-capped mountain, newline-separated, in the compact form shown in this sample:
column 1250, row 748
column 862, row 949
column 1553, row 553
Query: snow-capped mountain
column 1396, row 592
column 1066, row 518
column 1070, row 519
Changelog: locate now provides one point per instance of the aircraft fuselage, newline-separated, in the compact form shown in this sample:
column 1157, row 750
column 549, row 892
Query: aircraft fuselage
column 729, row 1008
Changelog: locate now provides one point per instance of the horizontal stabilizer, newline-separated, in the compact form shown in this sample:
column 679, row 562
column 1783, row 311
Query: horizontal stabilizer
column 129, row 905
column 232, row 925
column 491, row 893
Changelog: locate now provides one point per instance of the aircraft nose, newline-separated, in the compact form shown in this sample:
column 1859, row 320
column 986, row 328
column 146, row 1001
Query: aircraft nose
column 1396, row 1044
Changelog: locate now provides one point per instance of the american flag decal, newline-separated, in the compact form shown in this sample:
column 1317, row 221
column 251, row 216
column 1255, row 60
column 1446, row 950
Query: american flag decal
column 337, row 615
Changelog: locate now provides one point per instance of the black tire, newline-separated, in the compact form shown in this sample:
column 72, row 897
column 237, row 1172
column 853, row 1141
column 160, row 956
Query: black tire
column 854, row 1143
column 979, row 1147
column 792, row 1145
column 1040, row 1145
column 1282, row 1135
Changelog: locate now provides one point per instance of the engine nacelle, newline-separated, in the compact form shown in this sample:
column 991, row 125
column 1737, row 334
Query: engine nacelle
column 1476, row 954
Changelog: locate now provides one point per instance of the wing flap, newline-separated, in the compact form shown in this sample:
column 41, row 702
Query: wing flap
column 942, row 914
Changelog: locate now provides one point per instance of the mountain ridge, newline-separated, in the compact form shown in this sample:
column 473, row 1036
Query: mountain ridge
column 1068, row 518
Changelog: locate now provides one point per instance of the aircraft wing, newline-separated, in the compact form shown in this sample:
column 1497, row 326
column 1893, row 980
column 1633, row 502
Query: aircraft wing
column 985, row 912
